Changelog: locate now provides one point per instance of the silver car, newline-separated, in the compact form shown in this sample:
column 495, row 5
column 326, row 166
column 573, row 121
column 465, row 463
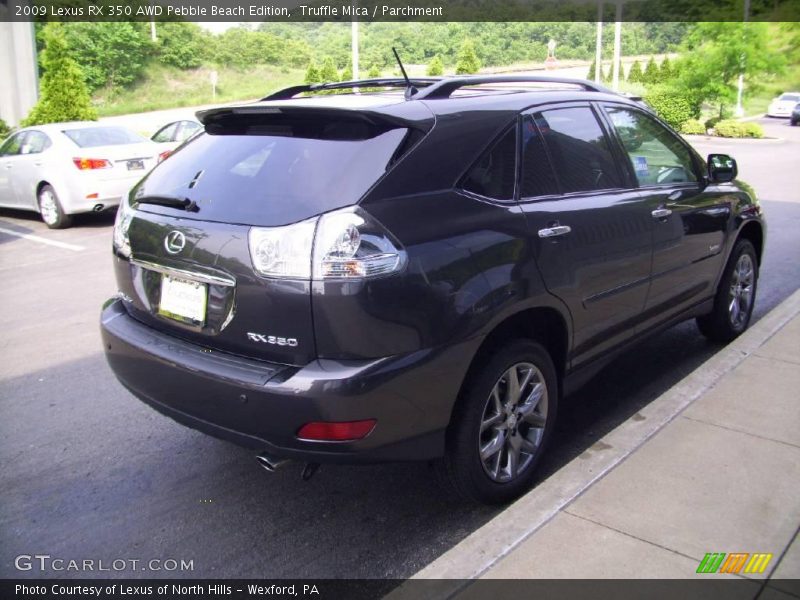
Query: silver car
column 65, row 168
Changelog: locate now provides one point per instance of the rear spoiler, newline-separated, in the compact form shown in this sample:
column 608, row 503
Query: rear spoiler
column 409, row 115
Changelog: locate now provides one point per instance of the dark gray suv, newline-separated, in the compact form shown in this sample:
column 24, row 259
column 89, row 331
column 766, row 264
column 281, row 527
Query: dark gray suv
column 423, row 274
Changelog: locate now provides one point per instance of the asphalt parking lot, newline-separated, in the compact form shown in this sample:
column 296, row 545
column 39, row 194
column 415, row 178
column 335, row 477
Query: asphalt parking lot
column 90, row 473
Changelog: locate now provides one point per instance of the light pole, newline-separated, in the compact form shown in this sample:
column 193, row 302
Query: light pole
column 598, row 50
column 617, row 47
column 354, row 39
column 740, row 90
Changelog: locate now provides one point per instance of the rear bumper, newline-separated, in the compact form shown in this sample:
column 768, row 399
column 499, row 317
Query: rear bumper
column 261, row 405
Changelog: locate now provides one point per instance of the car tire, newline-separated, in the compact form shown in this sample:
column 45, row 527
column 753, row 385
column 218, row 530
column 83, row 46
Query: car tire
column 496, row 436
column 51, row 210
column 735, row 297
column 793, row 123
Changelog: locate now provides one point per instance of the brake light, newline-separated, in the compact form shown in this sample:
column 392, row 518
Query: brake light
column 164, row 155
column 344, row 244
column 336, row 432
column 88, row 164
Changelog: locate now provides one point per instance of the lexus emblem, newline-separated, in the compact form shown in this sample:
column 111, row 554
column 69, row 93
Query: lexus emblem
column 174, row 242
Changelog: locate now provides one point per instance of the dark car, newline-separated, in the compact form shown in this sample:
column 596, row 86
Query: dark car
column 794, row 119
column 382, row 276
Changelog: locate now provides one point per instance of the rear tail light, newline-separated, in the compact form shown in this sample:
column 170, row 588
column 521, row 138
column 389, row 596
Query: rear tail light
column 336, row 432
column 88, row 164
column 122, row 244
column 164, row 155
column 344, row 244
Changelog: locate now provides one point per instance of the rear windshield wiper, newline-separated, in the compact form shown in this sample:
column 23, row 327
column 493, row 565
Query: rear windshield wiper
column 171, row 201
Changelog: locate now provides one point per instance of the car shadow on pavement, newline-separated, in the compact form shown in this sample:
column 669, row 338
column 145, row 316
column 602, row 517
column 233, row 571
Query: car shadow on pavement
column 103, row 218
column 96, row 473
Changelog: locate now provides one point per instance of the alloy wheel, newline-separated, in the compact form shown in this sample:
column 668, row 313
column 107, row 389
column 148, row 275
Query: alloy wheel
column 741, row 292
column 513, row 422
column 49, row 206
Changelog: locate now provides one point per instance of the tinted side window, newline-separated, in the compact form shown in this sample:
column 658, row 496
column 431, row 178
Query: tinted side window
column 579, row 149
column 656, row 155
column 493, row 175
column 35, row 143
column 165, row 134
column 538, row 178
column 13, row 145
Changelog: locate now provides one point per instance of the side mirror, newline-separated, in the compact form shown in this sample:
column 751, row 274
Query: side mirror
column 721, row 168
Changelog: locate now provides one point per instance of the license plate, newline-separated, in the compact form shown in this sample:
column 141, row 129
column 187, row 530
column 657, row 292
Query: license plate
column 183, row 300
column 135, row 165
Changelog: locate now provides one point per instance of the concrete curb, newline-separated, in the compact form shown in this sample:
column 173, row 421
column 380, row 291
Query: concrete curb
column 482, row 549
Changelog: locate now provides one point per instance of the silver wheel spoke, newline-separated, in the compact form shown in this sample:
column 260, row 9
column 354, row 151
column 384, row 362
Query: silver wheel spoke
column 528, row 446
column 535, row 420
column 532, row 401
column 512, row 385
column 513, row 463
column 494, row 446
column 492, row 421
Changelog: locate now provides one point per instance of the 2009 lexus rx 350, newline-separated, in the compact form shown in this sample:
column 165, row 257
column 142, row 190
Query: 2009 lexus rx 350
column 386, row 276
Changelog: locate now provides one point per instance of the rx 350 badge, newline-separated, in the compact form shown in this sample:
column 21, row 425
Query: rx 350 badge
column 263, row 338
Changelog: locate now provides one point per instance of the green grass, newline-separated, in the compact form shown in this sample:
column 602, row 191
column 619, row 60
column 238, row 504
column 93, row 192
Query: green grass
column 164, row 88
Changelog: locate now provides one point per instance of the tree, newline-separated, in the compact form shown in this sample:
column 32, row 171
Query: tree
column 592, row 70
column 5, row 130
column 64, row 95
column 110, row 54
column 328, row 72
column 665, row 72
column 716, row 53
column 635, row 74
column 181, row 44
column 467, row 62
column 651, row 73
column 374, row 72
column 347, row 73
column 312, row 73
column 435, row 67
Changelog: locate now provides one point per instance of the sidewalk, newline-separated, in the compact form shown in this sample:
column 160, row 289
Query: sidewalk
column 713, row 465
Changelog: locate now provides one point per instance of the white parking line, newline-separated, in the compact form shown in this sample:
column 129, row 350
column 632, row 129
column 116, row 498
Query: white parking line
column 41, row 240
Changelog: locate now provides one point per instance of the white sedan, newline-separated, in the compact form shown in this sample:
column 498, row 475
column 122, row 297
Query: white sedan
column 783, row 105
column 61, row 169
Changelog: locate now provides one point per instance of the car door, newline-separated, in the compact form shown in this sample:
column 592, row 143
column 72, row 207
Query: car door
column 689, row 219
column 9, row 153
column 591, row 230
column 30, row 168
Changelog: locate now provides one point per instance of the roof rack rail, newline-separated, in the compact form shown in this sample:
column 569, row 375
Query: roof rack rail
column 293, row 91
column 446, row 86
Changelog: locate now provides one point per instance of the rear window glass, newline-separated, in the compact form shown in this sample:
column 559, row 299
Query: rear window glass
column 89, row 137
column 791, row 97
column 271, row 174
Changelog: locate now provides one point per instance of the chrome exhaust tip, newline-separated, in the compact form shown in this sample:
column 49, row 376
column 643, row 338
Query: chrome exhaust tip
column 270, row 463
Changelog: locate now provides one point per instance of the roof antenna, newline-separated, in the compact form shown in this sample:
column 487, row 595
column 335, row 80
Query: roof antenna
column 410, row 89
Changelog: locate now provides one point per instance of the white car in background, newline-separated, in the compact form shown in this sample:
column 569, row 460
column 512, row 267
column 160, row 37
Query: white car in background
column 61, row 169
column 172, row 135
column 783, row 105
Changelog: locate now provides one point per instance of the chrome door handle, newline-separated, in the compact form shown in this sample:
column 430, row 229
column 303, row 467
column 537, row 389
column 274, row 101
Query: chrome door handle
column 551, row 232
column 661, row 213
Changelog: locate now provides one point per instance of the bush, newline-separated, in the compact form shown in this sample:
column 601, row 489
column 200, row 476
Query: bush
column 652, row 74
column 312, row 73
column 736, row 129
column 672, row 105
column 5, row 130
column 435, row 67
column 328, row 73
column 712, row 122
column 468, row 62
column 64, row 95
column 374, row 72
column 635, row 74
column 693, row 127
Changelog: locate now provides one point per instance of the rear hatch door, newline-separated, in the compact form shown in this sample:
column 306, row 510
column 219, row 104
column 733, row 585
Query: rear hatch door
column 191, row 272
